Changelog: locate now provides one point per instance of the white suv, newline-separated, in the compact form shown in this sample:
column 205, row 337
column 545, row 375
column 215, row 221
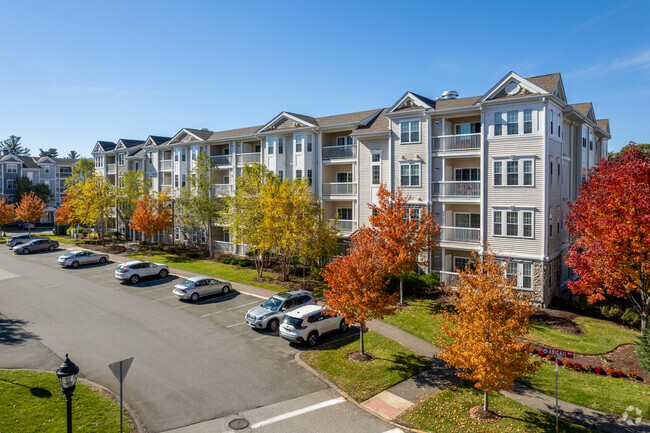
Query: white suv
column 134, row 271
column 308, row 323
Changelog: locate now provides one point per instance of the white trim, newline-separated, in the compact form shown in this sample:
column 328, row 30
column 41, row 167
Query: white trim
column 288, row 116
column 505, row 80
column 408, row 95
column 519, row 210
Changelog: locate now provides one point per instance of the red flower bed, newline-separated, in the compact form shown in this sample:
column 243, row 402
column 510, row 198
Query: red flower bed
column 599, row 370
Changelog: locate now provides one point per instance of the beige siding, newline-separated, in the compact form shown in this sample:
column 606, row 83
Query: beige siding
column 414, row 152
column 367, row 191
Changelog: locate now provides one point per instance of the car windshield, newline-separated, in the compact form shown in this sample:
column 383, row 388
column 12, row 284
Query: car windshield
column 272, row 304
column 69, row 254
column 186, row 283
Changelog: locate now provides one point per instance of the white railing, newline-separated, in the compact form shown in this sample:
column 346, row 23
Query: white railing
column 449, row 278
column 248, row 158
column 165, row 164
column 220, row 189
column 166, row 183
column 347, row 226
column 242, row 249
column 457, row 189
column 221, row 159
column 110, row 168
column 340, row 188
column 447, row 143
column 348, row 151
column 221, row 246
column 459, row 234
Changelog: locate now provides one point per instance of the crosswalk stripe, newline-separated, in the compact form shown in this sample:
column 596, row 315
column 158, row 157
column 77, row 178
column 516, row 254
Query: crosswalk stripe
column 298, row 412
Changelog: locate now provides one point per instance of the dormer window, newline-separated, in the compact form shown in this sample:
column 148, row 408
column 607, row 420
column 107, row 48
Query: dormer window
column 410, row 131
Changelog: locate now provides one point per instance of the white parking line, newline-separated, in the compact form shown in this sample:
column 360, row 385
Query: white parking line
column 259, row 338
column 298, row 412
column 162, row 299
column 236, row 324
column 228, row 309
column 153, row 290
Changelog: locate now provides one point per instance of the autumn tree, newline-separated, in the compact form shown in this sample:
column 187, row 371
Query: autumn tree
column 131, row 186
column 358, row 281
column 152, row 215
column 322, row 242
column 644, row 147
column 65, row 214
column 407, row 232
column 80, row 171
column 244, row 211
column 30, row 209
column 610, row 223
column 93, row 202
column 7, row 213
column 14, row 146
column 480, row 335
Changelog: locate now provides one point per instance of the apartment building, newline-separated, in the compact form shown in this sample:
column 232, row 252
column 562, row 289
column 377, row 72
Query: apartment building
column 45, row 170
column 495, row 168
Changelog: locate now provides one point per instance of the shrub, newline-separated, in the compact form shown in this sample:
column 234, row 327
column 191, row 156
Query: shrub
column 611, row 312
column 599, row 370
column 589, row 367
column 143, row 243
column 432, row 279
column 558, row 361
column 581, row 303
column 632, row 375
column 550, row 357
column 227, row 260
column 631, row 318
column 618, row 373
column 577, row 366
column 567, row 363
column 540, row 353
column 193, row 255
column 642, row 351
column 244, row 262
column 610, row 372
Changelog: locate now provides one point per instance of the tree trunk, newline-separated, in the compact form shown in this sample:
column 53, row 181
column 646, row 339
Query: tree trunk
column 486, row 400
column 210, row 237
column 361, row 337
column 401, row 289
column 150, row 242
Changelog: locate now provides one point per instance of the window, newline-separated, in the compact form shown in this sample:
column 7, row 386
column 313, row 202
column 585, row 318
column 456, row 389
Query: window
column 12, row 168
column 528, row 224
column 376, row 174
column 498, row 170
column 410, row 175
column 497, row 222
column 309, row 176
column 551, row 120
column 511, row 271
column 467, row 220
column 559, row 128
column 281, row 175
column 591, row 140
column 120, row 159
column 183, row 180
column 280, row 146
column 177, row 233
column 528, row 121
column 513, row 172
column 176, row 180
column 512, row 224
column 344, row 141
column 298, row 174
column 410, row 131
column 183, row 154
column 468, row 128
column 550, row 222
column 99, row 162
column 550, row 172
column 10, row 184
column 298, row 143
column 467, row 174
column 527, row 274
column 270, row 146
column 376, row 157
column 226, row 180
column 226, row 151
column 310, row 143
column 193, row 154
column 47, row 169
column 344, row 213
column 460, row 263
column 344, row 177
column 226, row 236
column 498, row 123
column 584, row 137
column 150, row 157
column 176, row 152
column 513, row 122
column 415, row 214
column 203, row 237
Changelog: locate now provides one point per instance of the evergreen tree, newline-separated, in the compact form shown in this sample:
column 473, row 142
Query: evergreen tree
column 13, row 144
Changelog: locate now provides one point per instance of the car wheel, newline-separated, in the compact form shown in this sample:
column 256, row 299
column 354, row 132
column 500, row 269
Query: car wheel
column 75, row 264
column 163, row 273
column 102, row 260
column 26, row 251
column 343, row 327
column 195, row 297
column 225, row 290
column 312, row 339
column 134, row 279
column 272, row 326
column 51, row 248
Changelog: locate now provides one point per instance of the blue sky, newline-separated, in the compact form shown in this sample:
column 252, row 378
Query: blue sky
column 72, row 73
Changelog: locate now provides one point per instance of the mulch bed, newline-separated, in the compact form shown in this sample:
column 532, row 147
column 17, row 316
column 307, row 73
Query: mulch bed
column 485, row 416
column 559, row 320
column 110, row 249
column 358, row 357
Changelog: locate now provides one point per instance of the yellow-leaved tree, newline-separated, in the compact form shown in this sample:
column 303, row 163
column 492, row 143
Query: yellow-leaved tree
column 93, row 202
column 480, row 335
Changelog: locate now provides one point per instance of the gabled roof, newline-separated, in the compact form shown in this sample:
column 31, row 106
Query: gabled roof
column 45, row 160
column 124, row 143
column 29, row 162
column 377, row 125
column 203, row 134
column 193, row 134
column 586, row 109
column 603, row 124
column 65, row 161
column 411, row 101
column 156, row 140
column 138, row 153
column 234, row 133
column 547, row 82
column 446, row 104
column 521, row 86
column 11, row 157
column 104, row 146
column 286, row 120
column 362, row 117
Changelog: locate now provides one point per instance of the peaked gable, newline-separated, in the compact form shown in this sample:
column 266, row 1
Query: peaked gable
column 411, row 101
column 103, row 146
column 11, row 158
column 586, row 109
column 186, row 135
column 286, row 120
column 45, row 160
column 155, row 140
column 513, row 85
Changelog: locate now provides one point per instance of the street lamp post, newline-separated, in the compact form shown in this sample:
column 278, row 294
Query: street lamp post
column 67, row 375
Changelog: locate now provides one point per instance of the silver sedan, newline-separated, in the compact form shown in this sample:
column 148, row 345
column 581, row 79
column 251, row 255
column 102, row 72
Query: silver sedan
column 76, row 258
column 196, row 287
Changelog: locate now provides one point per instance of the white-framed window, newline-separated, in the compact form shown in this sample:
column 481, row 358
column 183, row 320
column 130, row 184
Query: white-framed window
column 559, row 125
column 460, row 263
column 344, row 213
column 150, row 157
column 467, row 220
column 511, row 271
column 410, row 174
column 527, row 275
column 203, row 237
column 497, row 223
column 176, row 181
column 528, row 121
column 512, row 173
column 310, row 142
column 193, row 155
column 176, row 153
column 498, row 173
column 376, row 168
column 136, row 166
column 226, row 236
column 518, row 223
column 120, row 159
column 183, row 180
column 550, row 118
column 528, row 172
column 498, row 123
column 299, row 143
column 584, row 136
column 527, row 224
column 591, row 140
column 281, row 175
column 46, row 169
column 467, row 174
column 415, row 214
column 468, row 128
column 550, row 222
column 99, row 161
column 183, row 154
column 344, row 176
column 12, row 168
column 512, row 223
column 521, row 274
column 344, row 141
column 309, row 176
column 269, row 145
column 280, row 146
column 298, row 174
column 410, row 131
column 177, row 233
column 513, row 122
column 10, row 184
column 519, row 172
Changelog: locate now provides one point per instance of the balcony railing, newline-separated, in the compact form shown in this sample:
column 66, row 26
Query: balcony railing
column 459, row 234
column 248, row 158
column 110, row 168
column 165, row 164
column 449, row 278
column 340, row 188
column 457, row 189
column 229, row 247
column 348, row 151
column 451, row 143
column 220, row 189
column 221, row 159
column 347, row 226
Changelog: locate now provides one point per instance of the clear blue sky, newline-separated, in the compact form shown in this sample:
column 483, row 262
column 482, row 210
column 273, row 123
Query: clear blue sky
column 73, row 73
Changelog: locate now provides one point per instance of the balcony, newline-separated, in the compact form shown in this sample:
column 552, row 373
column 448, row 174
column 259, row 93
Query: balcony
column 334, row 152
column 221, row 159
column 456, row 143
column 229, row 247
column 449, row 278
column 347, row 226
column 248, row 158
column 165, row 164
column 220, row 189
column 111, row 168
column 339, row 188
column 460, row 235
column 457, row 189
column 64, row 172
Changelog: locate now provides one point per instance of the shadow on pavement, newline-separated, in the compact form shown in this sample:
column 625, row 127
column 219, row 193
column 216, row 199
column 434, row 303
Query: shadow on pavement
column 11, row 331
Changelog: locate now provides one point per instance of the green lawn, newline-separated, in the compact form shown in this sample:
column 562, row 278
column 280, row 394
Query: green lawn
column 599, row 336
column 421, row 318
column 362, row 380
column 447, row 411
column 603, row 393
column 33, row 402
column 206, row 267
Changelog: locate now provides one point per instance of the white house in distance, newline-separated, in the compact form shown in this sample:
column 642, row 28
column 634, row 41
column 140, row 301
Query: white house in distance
column 496, row 167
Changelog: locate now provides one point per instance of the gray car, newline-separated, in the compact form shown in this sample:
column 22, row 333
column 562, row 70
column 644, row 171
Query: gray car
column 269, row 315
column 21, row 239
column 36, row 245
column 76, row 258
column 197, row 287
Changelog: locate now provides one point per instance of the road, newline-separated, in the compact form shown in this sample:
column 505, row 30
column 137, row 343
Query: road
column 196, row 367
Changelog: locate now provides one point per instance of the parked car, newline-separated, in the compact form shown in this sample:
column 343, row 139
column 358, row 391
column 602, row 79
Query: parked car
column 308, row 323
column 269, row 315
column 36, row 245
column 197, row 287
column 21, row 239
column 76, row 258
column 135, row 270
column 26, row 226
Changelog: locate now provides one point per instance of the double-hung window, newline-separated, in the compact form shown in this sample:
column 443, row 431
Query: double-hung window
column 298, row 143
column 498, row 173
column 528, row 121
column 410, row 175
column 518, row 223
column 518, row 172
column 528, row 172
column 584, row 137
column 344, row 141
column 309, row 176
column 280, row 146
column 10, row 184
column 468, row 174
column 513, row 122
column 281, row 175
column 310, row 142
column 511, row 271
column 527, row 276
column 270, row 146
column 410, row 131
column 591, row 140
column 512, row 223
column 512, row 173
column 528, row 224
column 298, row 174
column 497, row 223
column 376, row 168
column 344, row 213
column 12, row 168
column 498, row 123
column 550, row 117
column 183, row 154
column 120, row 159
column 559, row 127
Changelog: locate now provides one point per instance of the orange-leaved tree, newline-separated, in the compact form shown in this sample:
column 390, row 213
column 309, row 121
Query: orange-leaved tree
column 406, row 232
column 7, row 213
column 357, row 283
column 65, row 213
column 30, row 208
column 152, row 215
column 480, row 334
column 610, row 220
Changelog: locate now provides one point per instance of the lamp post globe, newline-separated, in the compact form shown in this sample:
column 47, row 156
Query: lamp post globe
column 67, row 375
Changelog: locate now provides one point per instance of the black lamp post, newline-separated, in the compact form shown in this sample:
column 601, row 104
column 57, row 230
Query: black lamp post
column 67, row 375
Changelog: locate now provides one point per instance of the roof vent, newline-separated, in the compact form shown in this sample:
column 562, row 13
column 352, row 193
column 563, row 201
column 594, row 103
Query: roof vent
column 204, row 129
column 450, row 94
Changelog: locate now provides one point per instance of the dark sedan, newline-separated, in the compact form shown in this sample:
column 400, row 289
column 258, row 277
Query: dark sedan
column 36, row 245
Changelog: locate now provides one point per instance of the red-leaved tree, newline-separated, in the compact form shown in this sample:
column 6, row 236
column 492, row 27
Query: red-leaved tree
column 152, row 215
column 7, row 213
column 610, row 221
column 30, row 208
